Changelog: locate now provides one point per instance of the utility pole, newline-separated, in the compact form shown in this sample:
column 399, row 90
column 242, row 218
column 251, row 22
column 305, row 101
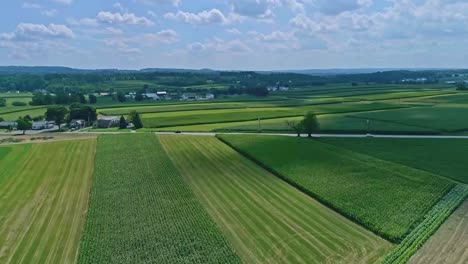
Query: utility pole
column 368, row 126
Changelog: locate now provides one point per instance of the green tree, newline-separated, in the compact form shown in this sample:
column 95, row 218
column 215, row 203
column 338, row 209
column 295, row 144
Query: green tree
column 2, row 102
column 139, row 97
column 310, row 124
column 57, row 114
column 23, row 124
column 85, row 112
column 296, row 126
column 82, row 99
column 120, row 97
column 134, row 118
column 92, row 99
column 461, row 86
column 122, row 123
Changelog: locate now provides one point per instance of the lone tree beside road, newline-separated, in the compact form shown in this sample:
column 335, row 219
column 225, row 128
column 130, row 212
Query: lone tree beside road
column 310, row 124
column 296, row 126
column 23, row 124
column 57, row 114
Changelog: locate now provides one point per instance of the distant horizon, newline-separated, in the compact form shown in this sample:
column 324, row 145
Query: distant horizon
column 256, row 70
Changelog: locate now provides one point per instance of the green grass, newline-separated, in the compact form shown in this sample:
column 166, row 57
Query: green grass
column 14, row 112
column 44, row 191
column 461, row 97
column 333, row 123
column 432, row 221
column 402, row 95
column 445, row 157
column 265, row 219
column 142, row 211
column 446, row 118
column 387, row 198
column 16, row 95
column 155, row 120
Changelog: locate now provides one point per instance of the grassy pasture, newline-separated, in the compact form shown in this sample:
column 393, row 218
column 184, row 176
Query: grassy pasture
column 155, row 120
column 142, row 211
column 16, row 95
column 446, row 117
column 402, row 95
column 445, row 157
column 43, row 201
column 387, row 198
column 13, row 113
column 265, row 219
column 457, row 98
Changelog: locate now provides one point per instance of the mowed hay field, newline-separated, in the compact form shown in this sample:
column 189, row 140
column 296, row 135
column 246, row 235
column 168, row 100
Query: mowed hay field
column 44, row 191
column 445, row 157
column 265, row 219
column 388, row 198
column 142, row 211
column 154, row 120
column 443, row 117
column 449, row 244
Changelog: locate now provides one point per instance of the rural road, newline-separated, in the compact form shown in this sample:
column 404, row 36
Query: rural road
column 319, row 135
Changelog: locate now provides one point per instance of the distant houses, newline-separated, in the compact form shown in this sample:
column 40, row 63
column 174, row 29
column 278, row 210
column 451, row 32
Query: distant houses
column 197, row 97
column 8, row 125
column 107, row 122
column 41, row 125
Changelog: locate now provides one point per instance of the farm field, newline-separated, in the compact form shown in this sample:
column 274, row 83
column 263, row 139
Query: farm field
column 155, row 120
column 43, row 202
column 402, row 95
column 443, row 117
column 16, row 112
column 265, row 219
column 448, row 245
column 142, row 211
column 373, row 192
column 445, row 157
column 461, row 97
column 331, row 123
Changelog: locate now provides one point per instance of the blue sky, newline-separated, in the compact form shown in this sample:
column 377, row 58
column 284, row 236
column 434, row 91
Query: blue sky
column 228, row 34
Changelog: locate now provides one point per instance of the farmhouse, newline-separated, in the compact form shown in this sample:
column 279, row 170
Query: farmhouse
column 77, row 124
column 189, row 96
column 40, row 125
column 107, row 122
column 6, row 124
column 153, row 96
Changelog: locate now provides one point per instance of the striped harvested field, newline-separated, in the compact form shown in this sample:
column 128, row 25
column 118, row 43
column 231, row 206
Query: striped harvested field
column 265, row 219
column 44, row 191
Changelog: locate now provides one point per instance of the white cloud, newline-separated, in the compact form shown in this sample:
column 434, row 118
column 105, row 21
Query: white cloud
column 234, row 31
column 49, row 12
column 64, row 2
column 213, row 16
column 160, row 2
column 27, row 31
column 151, row 14
column 339, row 6
column 167, row 36
column 125, row 18
column 220, row 45
column 261, row 9
column 31, row 6
column 90, row 22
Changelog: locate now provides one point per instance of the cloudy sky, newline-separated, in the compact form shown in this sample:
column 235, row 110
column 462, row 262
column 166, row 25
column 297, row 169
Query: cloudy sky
column 235, row 34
